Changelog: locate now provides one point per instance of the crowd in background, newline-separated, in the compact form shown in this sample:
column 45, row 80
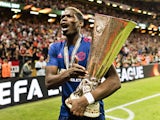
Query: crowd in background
column 90, row 7
column 29, row 37
column 139, row 49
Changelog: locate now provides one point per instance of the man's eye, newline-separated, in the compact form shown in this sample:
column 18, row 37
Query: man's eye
column 69, row 16
column 62, row 16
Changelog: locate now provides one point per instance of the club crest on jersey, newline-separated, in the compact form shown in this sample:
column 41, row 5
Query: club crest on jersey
column 81, row 56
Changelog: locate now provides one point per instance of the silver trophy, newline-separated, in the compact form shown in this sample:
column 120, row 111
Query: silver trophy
column 109, row 35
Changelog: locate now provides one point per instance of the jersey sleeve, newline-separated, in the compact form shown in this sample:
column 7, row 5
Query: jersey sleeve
column 52, row 54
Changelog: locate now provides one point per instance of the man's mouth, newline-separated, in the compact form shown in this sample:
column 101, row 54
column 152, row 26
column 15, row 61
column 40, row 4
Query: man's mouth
column 64, row 27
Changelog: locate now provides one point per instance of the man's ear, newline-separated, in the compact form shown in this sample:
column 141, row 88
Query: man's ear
column 81, row 23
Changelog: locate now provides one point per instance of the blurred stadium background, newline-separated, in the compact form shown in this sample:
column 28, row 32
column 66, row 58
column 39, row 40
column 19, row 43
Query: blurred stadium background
column 27, row 27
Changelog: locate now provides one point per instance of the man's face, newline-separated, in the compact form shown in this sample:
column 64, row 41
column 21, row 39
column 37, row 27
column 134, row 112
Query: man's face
column 69, row 22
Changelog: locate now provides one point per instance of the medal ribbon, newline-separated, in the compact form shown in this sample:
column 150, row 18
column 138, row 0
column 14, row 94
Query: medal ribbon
column 66, row 53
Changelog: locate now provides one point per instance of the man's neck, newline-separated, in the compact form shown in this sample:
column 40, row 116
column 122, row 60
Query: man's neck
column 72, row 39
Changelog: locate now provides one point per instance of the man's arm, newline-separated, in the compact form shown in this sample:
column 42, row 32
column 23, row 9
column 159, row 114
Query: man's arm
column 54, row 79
column 109, row 86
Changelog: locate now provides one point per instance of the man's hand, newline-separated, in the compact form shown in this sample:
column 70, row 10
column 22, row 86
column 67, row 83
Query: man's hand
column 78, row 106
column 75, row 71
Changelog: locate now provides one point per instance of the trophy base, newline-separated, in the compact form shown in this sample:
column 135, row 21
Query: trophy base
column 91, row 111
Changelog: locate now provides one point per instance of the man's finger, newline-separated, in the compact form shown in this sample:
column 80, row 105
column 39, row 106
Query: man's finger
column 76, row 59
